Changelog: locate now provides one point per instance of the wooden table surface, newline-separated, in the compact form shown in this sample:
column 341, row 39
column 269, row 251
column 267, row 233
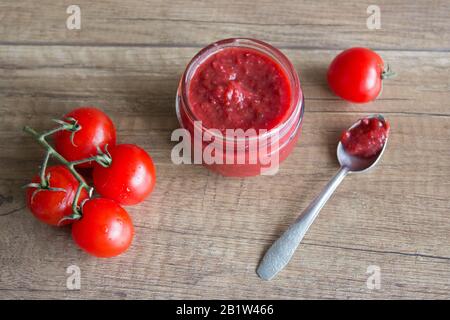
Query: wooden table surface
column 201, row 235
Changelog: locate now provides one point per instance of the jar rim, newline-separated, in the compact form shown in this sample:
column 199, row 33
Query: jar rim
column 296, row 107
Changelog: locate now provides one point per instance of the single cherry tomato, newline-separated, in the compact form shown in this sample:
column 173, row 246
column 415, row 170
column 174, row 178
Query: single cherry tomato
column 356, row 75
column 104, row 230
column 53, row 204
column 367, row 138
column 129, row 179
column 96, row 130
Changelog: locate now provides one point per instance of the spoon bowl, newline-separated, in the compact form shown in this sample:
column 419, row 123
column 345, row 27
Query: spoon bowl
column 359, row 164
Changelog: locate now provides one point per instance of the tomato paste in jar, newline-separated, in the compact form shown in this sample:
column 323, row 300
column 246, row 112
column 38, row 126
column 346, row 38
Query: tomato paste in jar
column 247, row 85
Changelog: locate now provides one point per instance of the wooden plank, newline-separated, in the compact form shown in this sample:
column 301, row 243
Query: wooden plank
column 201, row 235
column 416, row 25
column 132, row 80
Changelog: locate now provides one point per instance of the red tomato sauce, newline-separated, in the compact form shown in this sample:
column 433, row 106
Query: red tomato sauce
column 367, row 138
column 240, row 88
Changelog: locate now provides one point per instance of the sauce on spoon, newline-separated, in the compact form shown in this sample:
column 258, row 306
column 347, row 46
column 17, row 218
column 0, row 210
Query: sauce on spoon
column 367, row 138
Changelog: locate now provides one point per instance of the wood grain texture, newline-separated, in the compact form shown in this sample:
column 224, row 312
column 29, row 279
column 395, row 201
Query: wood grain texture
column 201, row 235
column 414, row 25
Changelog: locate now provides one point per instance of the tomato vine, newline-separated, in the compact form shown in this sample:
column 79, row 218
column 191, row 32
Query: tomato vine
column 103, row 158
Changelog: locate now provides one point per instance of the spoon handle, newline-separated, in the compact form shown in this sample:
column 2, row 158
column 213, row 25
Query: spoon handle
column 281, row 251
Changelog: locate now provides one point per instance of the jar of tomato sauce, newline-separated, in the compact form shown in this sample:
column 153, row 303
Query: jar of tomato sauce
column 242, row 104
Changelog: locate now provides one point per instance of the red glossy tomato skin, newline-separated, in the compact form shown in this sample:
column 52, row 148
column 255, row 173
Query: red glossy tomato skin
column 97, row 129
column 51, row 206
column 129, row 179
column 355, row 75
column 105, row 229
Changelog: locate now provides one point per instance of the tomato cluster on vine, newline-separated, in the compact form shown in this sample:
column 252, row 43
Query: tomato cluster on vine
column 122, row 174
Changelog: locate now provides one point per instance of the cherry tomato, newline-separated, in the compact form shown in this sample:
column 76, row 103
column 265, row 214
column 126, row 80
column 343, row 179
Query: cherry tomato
column 96, row 129
column 104, row 230
column 129, row 179
column 356, row 75
column 50, row 206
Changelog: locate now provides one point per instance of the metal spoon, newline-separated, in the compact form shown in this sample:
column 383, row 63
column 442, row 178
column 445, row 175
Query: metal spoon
column 281, row 251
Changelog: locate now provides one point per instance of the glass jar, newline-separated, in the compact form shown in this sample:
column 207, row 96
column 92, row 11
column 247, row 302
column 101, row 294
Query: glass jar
column 249, row 154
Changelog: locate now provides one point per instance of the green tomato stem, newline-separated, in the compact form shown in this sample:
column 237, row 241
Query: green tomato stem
column 388, row 73
column 77, row 162
column 40, row 138
column 52, row 131
column 44, row 182
column 77, row 197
